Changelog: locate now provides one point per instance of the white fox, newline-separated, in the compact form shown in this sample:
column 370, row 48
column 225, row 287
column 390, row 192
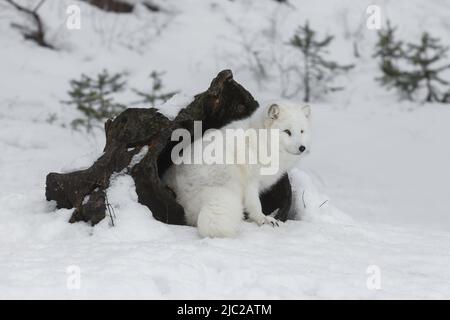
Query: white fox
column 215, row 196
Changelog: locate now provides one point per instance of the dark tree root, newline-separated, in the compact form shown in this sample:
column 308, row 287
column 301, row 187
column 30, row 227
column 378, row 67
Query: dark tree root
column 138, row 143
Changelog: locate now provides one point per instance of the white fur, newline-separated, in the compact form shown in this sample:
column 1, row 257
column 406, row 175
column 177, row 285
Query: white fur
column 215, row 196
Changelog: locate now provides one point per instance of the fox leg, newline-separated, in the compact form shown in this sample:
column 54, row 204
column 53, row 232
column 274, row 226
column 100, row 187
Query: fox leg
column 220, row 214
column 253, row 207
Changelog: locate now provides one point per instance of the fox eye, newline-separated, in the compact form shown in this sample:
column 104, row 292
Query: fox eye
column 288, row 132
column 302, row 131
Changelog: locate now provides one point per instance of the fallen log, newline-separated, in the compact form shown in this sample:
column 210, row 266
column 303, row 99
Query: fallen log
column 138, row 143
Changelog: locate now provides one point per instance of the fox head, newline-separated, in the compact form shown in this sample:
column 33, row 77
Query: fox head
column 293, row 123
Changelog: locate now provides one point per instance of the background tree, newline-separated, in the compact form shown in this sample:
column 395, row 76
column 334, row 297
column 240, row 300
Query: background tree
column 93, row 98
column 316, row 68
column 390, row 51
column 387, row 47
column 423, row 57
column 410, row 68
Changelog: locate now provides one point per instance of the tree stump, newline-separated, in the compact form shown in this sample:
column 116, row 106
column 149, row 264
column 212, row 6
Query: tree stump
column 138, row 143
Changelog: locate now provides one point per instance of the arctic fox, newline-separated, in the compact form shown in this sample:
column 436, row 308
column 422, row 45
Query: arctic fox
column 215, row 196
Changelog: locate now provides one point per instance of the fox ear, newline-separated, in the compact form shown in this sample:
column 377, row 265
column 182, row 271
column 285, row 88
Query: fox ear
column 307, row 111
column 274, row 111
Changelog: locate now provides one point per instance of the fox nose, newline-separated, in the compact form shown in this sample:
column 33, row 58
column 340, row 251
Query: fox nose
column 302, row 148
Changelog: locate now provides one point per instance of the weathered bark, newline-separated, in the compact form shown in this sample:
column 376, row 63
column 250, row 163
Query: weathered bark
column 112, row 5
column 135, row 129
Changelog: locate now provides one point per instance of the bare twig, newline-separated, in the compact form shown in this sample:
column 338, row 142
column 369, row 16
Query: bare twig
column 39, row 5
column 111, row 212
column 303, row 199
column 323, row 203
column 37, row 35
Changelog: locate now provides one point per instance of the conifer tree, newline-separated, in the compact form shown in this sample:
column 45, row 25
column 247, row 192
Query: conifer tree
column 390, row 51
column 93, row 98
column 317, row 71
column 423, row 57
column 388, row 47
column 155, row 94
column 411, row 68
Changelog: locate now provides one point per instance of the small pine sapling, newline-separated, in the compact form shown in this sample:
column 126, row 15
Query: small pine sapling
column 155, row 95
column 93, row 97
column 390, row 51
column 317, row 71
column 411, row 68
column 423, row 57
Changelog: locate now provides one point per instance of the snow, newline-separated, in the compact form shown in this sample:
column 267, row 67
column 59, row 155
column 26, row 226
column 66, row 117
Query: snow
column 138, row 156
column 372, row 192
column 171, row 107
column 310, row 204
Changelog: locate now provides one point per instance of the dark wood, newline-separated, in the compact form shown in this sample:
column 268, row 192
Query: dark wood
column 278, row 197
column 112, row 5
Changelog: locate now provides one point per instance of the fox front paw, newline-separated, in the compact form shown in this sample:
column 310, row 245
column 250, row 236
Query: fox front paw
column 269, row 221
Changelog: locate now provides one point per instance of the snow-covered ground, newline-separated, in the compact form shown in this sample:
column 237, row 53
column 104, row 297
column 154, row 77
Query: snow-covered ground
column 381, row 164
